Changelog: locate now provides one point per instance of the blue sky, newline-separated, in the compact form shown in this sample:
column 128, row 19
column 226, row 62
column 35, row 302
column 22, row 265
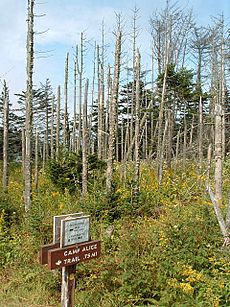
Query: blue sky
column 65, row 19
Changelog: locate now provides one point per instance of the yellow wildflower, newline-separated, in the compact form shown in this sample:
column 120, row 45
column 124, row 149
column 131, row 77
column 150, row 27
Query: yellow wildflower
column 62, row 205
column 186, row 288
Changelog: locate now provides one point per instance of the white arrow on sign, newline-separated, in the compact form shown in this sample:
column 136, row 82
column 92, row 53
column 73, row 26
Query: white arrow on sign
column 58, row 262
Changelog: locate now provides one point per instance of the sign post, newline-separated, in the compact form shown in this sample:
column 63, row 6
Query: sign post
column 73, row 230
column 71, row 245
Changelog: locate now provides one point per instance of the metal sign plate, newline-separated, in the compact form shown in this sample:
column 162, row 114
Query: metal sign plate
column 57, row 224
column 72, row 255
column 74, row 230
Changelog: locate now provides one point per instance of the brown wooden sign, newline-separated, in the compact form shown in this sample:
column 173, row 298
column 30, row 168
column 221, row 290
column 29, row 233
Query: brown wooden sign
column 44, row 252
column 72, row 255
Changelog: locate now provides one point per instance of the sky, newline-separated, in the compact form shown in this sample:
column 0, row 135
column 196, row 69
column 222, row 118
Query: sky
column 59, row 31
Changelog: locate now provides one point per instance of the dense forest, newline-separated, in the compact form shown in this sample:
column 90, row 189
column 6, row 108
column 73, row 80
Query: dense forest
column 143, row 149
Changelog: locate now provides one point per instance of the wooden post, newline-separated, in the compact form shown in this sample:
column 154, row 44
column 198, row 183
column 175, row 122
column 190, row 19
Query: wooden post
column 68, row 286
column 67, row 250
column 68, row 282
column 68, row 273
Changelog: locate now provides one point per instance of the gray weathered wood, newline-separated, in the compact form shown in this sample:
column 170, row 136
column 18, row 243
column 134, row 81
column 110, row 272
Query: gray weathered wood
column 29, row 100
column 113, row 115
column 5, row 136
column 85, row 143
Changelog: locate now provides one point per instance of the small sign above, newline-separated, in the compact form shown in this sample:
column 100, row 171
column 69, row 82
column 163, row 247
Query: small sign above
column 75, row 230
column 57, row 224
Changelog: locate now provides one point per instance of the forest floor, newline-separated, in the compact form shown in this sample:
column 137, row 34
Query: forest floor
column 165, row 250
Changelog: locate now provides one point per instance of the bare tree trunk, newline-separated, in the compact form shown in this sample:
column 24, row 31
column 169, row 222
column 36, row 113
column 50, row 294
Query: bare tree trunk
column 161, row 161
column 36, row 162
column 218, row 214
column 44, row 152
column 160, row 123
column 191, row 132
column 214, row 90
column 137, row 130
column 47, row 127
column 177, row 151
column 209, row 159
column 122, row 138
column 169, row 137
column 58, row 121
column 100, row 108
column 200, row 139
column 117, row 143
column 5, row 137
column 91, row 138
column 29, row 101
column 52, row 130
column 109, row 95
column 23, row 151
column 65, row 127
column 80, row 67
column 75, row 108
column 113, row 115
column 218, row 153
column 134, row 37
column 222, row 91
column 85, row 143
column 185, row 142
column 102, row 86
column 151, row 114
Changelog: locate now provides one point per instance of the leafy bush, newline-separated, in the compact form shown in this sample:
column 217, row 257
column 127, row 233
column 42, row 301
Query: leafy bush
column 66, row 171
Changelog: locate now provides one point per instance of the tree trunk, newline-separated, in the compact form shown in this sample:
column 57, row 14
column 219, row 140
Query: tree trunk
column 113, row 115
column 200, row 139
column 52, row 130
column 222, row 91
column 218, row 153
column 100, row 108
column 85, row 143
column 80, row 67
column 185, row 142
column 137, row 130
column 23, row 151
column 5, row 136
column 65, row 128
column 29, row 101
column 58, row 121
column 109, row 96
column 75, row 108
column 36, row 162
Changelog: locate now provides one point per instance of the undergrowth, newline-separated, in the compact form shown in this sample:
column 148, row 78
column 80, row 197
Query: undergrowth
column 165, row 251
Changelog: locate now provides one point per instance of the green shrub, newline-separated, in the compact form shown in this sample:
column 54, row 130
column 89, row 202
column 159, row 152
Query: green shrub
column 66, row 171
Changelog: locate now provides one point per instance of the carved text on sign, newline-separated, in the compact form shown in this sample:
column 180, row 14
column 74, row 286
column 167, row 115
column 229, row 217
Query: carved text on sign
column 61, row 257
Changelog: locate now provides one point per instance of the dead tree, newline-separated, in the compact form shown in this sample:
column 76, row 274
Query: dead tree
column 85, row 142
column 29, row 100
column 52, row 130
column 58, row 121
column 137, row 129
column 113, row 114
column 5, row 97
column 75, row 107
column 65, row 126
column 36, row 161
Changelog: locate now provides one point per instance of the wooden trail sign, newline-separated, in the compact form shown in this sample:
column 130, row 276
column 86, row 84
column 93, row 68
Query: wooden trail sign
column 71, row 245
column 72, row 255
column 44, row 252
